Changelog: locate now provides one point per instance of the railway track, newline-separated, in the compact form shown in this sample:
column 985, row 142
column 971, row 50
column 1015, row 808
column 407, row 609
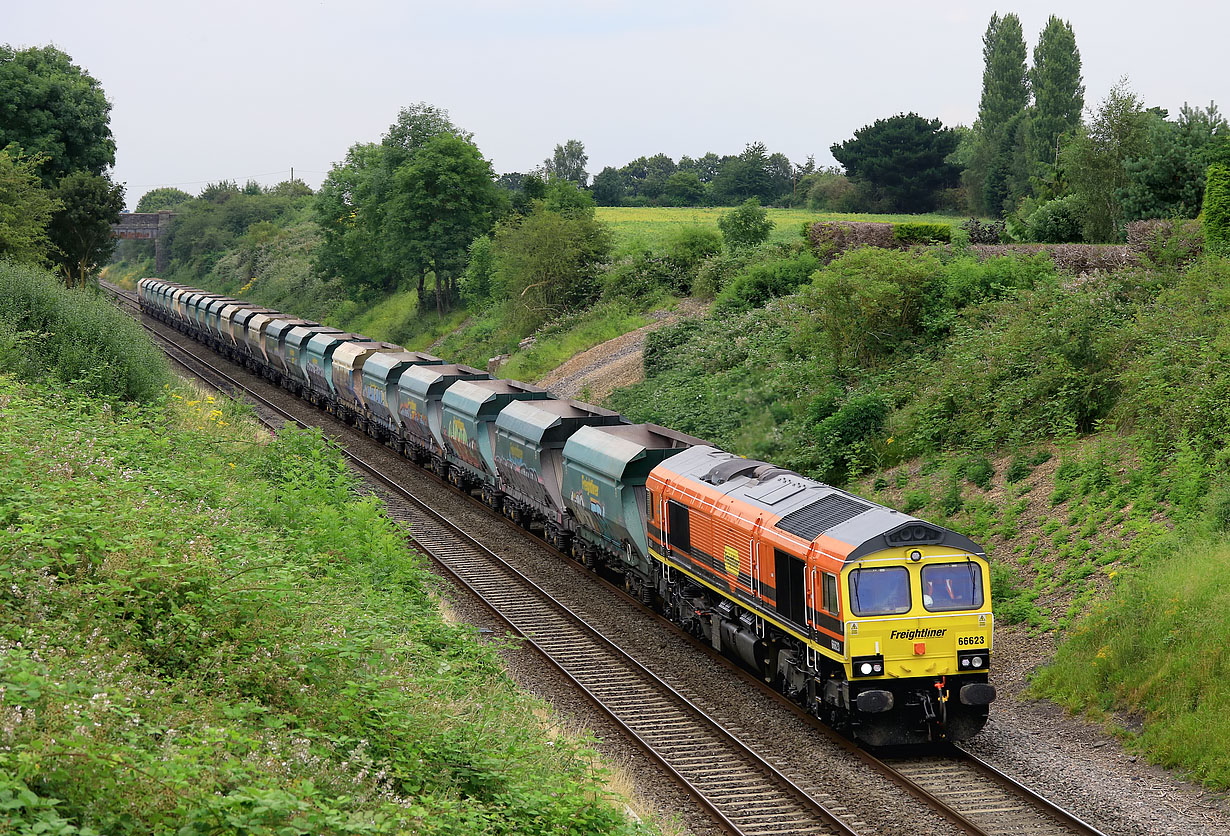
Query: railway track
column 725, row 776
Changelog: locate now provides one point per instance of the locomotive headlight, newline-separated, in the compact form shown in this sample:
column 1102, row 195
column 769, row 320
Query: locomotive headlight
column 916, row 555
column 973, row 660
column 867, row 666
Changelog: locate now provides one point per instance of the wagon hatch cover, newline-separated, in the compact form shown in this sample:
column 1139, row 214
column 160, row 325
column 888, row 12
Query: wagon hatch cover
column 825, row 513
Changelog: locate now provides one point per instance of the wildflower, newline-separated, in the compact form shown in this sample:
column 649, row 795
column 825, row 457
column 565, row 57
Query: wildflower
column 232, row 464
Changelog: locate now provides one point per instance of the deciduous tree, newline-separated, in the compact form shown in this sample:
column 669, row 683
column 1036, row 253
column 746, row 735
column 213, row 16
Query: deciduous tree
column 25, row 209
column 745, row 227
column 81, row 227
column 548, row 263
column 444, row 197
column 568, row 163
column 1093, row 162
column 50, row 106
column 162, row 198
column 1059, row 94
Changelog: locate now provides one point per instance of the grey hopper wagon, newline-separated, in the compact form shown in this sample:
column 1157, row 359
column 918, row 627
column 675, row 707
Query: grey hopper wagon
column 605, row 469
column 469, row 409
column 529, row 455
column 420, row 390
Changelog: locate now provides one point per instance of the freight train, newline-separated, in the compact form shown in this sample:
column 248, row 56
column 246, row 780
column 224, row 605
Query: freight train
column 876, row 621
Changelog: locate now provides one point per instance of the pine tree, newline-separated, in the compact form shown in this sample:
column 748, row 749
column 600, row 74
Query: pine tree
column 1059, row 95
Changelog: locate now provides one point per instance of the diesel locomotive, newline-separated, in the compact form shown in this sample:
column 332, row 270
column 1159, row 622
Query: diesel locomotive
column 874, row 620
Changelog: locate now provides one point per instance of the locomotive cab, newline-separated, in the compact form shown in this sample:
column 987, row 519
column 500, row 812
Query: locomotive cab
column 919, row 641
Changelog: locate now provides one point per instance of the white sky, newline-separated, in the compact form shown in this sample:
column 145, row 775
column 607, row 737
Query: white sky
column 239, row 90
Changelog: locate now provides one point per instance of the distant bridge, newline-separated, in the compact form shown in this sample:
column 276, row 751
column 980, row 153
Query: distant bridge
column 145, row 226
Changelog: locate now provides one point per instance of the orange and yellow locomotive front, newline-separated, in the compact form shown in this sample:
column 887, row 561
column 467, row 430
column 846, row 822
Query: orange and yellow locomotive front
column 871, row 617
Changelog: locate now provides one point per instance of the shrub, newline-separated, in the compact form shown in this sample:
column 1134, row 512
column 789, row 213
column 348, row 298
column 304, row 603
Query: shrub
column 761, row 282
column 1057, row 221
column 922, row 233
column 1071, row 258
column 1218, row 505
column 75, row 336
column 1018, row 469
column 687, row 248
column 1165, row 242
column 834, row 192
column 831, row 239
column 978, row 471
column 662, row 346
column 1215, row 214
column 843, row 437
column 991, row 232
column 868, row 301
column 745, row 227
column 915, row 501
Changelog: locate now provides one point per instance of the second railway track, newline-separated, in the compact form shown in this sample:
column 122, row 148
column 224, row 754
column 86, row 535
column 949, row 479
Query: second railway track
column 742, row 792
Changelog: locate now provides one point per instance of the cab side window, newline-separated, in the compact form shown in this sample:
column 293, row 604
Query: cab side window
column 679, row 530
column 830, row 593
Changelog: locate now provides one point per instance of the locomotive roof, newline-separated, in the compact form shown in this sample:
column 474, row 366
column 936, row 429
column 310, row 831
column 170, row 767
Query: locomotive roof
column 808, row 509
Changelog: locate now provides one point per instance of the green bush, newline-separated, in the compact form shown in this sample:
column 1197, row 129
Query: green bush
column 978, row 471
column 869, row 301
column 1215, row 214
column 1057, row 221
column 922, row 233
column 1018, row 469
column 745, row 227
column 762, row 282
column 662, row 346
column 843, row 438
column 75, row 336
column 688, row 247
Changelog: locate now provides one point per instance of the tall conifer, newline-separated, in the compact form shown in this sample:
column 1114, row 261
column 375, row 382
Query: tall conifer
column 1059, row 95
column 1005, row 85
column 1005, row 95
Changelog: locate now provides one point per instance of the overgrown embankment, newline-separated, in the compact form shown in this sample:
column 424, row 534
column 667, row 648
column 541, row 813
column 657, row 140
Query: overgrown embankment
column 204, row 630
column 1076, row 425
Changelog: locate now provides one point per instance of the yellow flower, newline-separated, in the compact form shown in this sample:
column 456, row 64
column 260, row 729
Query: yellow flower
column 193, row 403
column 890, row 440
column 209, row 399
column 232, row 464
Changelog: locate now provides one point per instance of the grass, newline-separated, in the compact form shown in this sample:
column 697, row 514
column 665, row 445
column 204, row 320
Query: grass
column 650, row 225
column 1157, row 649
column 75, row 336
column 206, row 631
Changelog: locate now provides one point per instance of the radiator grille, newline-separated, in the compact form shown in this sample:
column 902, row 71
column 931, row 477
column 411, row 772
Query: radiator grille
column 813, row 520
